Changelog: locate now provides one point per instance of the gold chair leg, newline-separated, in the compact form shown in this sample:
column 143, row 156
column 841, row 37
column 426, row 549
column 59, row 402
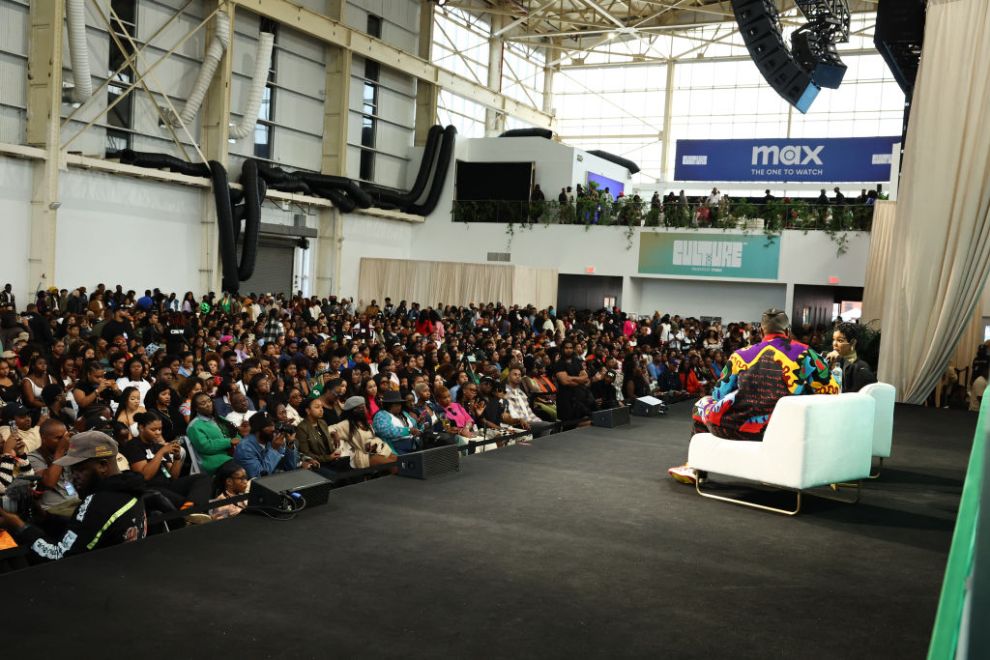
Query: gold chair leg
column 753, row 505
column 874, row 475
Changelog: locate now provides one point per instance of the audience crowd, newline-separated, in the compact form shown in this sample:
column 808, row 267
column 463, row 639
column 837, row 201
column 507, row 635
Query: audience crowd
column 202, row 396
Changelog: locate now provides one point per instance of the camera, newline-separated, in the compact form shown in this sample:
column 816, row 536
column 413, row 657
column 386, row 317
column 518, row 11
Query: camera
column 19, row 497
column 285, row 427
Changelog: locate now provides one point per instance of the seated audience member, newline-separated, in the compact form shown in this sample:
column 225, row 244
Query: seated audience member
column 758, row 376
column 58, row 495
column 128, row 407
column 159, row 401
column 518, row 411
column 20, row 432
column 160, row 463
column 213, row 443
column 854, row 374
column 574, row 400
column 134, row 377
column 265, row 450
column 395, row 426
column 94, row 389
column 459, row 420
column 230, row 481
column 239, row 415
column 316, row 439
column 365, row 448
column 111, row 511
column 332, row 409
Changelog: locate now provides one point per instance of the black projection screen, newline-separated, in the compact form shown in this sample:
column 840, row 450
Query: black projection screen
column 494, row 181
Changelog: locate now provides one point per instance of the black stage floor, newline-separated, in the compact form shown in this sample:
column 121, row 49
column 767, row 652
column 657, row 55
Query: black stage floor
column 576, row 546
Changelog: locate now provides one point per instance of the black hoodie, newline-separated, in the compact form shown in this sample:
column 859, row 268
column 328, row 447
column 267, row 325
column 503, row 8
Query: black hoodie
column 113, row 514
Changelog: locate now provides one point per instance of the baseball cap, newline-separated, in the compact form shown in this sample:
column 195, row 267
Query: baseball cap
column 353, row 402
column 86, row 445
column 23, row 337
column 15, row 409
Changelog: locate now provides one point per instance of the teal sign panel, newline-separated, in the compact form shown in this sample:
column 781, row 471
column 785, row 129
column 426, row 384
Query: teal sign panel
column 709, row 255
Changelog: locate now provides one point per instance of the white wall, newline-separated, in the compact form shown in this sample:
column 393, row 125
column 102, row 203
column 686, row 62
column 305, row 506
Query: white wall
column 142, row 234
column 15, row 223
column 733, row 301
column 365, row 236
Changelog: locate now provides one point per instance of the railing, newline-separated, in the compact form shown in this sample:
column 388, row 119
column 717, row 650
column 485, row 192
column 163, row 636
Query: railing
column 960, row 629
column 632, row 212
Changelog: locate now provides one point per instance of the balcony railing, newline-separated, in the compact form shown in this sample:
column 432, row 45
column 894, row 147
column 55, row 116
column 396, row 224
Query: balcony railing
column 631, row 212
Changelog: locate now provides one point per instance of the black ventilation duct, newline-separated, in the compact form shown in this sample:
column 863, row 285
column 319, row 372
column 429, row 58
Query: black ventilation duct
column 225, row 227
column 439, row 176
column 618, row 160
column 163, row 162
column 385, row 197
column 528, row 132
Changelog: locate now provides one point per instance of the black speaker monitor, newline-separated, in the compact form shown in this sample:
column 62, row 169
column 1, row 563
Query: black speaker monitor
column 430, row 463
column 275, row 490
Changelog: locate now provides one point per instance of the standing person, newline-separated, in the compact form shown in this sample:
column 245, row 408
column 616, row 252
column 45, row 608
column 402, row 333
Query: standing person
column 111, row 511
column 574, row 400
column 756, row 377
column 7, row 298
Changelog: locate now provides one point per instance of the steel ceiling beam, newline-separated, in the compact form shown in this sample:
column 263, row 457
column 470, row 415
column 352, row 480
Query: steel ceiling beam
column 334, row 32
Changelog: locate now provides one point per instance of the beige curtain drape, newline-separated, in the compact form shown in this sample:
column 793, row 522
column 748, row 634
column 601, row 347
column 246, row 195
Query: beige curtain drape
column 451, row 283
column 878, row 265
column 941, row 246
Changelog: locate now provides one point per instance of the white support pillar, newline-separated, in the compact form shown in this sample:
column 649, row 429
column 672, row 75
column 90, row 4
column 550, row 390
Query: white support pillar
column 426, row 92
column 215, row 132
column 666, row 174
column 44, row 123
column 336, row 115
column 495, row 121
column 548, row 74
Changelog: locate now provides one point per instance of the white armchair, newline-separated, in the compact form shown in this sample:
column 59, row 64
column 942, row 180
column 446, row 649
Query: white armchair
column 883, row 430
column 811, row 441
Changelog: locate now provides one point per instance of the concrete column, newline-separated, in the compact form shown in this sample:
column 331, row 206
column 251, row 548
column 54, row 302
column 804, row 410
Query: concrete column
column 666, row 174
column 336, row 115
column 426, row 92
column 214, row 135
column 494, row 123
column 548, row 75
column 44, row 123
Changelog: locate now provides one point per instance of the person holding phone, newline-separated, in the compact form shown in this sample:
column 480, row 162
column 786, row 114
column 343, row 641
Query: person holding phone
column 160, row 463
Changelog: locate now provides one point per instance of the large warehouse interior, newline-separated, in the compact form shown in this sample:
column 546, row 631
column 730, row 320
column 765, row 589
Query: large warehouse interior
column 263, row 255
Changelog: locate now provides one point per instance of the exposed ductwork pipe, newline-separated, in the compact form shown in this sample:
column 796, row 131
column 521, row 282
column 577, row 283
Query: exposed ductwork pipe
column 262, row 64
column 214, row 52
column 75, row 16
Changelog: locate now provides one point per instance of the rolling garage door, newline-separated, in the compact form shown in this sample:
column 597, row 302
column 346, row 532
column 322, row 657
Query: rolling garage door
column 273, row 269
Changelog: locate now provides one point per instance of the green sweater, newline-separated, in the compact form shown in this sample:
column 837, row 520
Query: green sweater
column 212, row 446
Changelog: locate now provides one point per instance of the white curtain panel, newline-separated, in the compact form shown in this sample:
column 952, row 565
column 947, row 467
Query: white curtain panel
column 878, row 265
column 941, row 246
column 432, row 282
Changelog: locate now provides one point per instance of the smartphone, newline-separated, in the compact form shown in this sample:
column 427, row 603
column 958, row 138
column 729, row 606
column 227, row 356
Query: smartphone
column 44, row 411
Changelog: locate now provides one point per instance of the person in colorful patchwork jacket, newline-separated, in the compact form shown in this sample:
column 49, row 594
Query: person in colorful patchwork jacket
column 753, row 380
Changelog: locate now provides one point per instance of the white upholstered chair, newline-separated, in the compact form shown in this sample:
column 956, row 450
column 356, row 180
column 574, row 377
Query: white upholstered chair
column 811, row 441
column 883, row 430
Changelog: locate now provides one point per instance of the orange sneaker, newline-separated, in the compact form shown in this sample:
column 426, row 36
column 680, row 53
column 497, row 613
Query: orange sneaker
column 683, row 474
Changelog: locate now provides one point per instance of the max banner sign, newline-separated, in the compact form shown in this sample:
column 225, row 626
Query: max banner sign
column 822, row 160
column 708, row 255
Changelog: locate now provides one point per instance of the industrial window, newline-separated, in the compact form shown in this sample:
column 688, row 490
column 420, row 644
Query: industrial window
column 121, row 116
column 264, row 130
column 375, row 26
column 369, row 107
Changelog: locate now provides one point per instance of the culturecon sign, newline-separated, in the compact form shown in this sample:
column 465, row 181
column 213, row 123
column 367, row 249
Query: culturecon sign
column 822, row 160
column 708, row 255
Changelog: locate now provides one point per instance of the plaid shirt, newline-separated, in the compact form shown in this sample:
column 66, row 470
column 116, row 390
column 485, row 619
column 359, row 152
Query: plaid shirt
column 273, row 330
column 518, row 404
